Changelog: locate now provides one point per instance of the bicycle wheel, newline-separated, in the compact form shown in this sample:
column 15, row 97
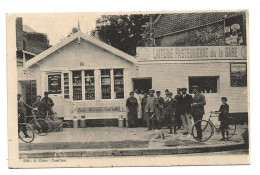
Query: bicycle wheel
column 206, row 129
column 25, row 133
column 42, row 127
column 231, row 128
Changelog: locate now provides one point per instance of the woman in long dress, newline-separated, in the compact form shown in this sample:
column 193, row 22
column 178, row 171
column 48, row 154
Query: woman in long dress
column 132, row 104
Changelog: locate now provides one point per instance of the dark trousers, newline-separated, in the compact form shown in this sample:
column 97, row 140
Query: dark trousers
column 148, row 116
column 23, row 127
column 197, row 117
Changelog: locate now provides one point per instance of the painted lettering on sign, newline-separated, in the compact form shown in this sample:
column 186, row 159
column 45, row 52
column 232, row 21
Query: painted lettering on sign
column 98, row 109
column 200, row 52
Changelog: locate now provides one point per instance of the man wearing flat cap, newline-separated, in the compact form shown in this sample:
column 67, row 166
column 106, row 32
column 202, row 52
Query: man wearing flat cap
column 185, row 106
column 149, row 108
column 48, row 103
column 197, row 109
column 39, row 107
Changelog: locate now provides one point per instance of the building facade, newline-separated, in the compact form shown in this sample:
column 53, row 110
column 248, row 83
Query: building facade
column 84, row 73
column 204, row 49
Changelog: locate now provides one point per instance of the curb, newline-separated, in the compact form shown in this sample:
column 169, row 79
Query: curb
column 131, row 151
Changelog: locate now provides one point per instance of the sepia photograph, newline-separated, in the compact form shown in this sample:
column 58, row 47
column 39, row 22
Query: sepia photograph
column 146, row 85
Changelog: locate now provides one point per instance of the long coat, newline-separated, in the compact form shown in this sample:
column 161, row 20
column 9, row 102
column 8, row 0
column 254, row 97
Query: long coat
column 170, row 110
column 200, row 101
column 185, row 104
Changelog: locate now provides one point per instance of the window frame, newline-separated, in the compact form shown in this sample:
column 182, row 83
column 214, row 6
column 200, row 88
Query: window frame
column 210, row 76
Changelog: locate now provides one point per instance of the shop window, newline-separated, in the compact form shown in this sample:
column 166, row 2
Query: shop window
column 66, row 86
column 238, row 74
column 54, row 84
column 89, row 85
column 105, row 84
column 118, row 83
column 207, row 84
column 77, row 85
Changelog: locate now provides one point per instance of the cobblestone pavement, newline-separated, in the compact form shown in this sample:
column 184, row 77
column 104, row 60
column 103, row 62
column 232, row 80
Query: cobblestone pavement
column 114, row 137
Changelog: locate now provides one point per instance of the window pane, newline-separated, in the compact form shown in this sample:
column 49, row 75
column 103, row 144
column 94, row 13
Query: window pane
column 89, row 85
column 118, row 83
column 105, row 84
column 54, row 84
column 77, row 85
column 206, row 84
column 66, row 86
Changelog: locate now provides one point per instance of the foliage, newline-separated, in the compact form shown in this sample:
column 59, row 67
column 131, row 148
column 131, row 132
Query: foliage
column 123, row 32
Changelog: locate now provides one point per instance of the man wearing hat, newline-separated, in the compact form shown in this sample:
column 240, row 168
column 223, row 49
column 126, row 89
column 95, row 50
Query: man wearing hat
column 21, row 115
column 160, row 99
column 149, row 108
column 178, row 97
column 197, row 109
column 48, row 103
column 170, row 112
column 39, row 107
column 166, row 96
column 185, row 105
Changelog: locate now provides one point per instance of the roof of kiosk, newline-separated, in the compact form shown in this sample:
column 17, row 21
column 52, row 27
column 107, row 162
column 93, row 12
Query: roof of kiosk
column 83, row 36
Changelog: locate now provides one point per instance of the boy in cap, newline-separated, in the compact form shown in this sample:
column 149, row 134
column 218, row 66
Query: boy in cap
column 223, row 118
column 170, row 111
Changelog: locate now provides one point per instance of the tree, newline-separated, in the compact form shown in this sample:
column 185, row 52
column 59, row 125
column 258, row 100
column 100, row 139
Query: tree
column 123, row 32
column 73, row 30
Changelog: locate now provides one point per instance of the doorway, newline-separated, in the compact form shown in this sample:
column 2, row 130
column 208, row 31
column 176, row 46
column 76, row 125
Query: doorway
column 142, row 84
column 28, row 91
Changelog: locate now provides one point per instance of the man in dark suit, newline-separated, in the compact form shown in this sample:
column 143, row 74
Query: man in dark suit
column 178, row 97
column 197, row 109
column 170, row 112
column 185, row 105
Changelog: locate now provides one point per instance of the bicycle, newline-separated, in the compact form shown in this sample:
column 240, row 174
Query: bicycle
column 208, row 128
column 25, row 132
column 40, row 126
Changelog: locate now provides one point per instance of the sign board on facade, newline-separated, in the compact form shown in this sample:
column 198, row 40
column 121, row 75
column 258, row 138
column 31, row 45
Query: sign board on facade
column 191, row 53
column 238, row 74
column 234, row 33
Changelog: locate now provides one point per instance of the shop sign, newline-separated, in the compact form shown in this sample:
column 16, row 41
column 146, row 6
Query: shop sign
column 191, row 53
column 98, row 109
column 238, row 74
column 25, row 74
column 234, row 33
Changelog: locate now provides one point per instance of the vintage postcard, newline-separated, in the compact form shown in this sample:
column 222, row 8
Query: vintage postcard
column 128, row 89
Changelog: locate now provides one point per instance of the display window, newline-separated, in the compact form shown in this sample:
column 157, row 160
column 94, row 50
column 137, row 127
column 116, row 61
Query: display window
column 118, row 83
column 66, row 85
column 77, row 85
column 206, row 84
column 89, row 85
column 105, row 84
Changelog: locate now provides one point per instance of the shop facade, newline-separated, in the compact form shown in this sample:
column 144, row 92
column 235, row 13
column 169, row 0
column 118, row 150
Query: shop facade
column 84, row 73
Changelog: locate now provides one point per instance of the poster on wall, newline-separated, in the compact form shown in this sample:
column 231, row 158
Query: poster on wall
column 54, row 84
column 234, row 33
column 238, row 74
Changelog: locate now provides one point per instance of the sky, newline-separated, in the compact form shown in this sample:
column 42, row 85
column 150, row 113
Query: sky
column 58, row 25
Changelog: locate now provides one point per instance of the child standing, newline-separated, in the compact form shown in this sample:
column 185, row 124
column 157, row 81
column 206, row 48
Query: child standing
column 223, row 118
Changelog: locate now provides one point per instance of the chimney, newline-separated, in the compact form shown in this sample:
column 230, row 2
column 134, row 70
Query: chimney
column 19, row 33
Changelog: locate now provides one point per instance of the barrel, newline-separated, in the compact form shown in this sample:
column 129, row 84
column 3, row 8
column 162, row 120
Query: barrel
column 82, row 122
column 75, row 123
column 120, row 122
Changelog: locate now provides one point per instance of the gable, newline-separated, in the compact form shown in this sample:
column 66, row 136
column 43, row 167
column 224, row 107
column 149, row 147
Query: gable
column 74, row 55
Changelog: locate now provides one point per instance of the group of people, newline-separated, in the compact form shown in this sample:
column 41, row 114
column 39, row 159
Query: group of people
column 42, row 107
column 181, row 110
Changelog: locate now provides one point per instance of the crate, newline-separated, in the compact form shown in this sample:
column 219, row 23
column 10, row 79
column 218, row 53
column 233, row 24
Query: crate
column 56, row 126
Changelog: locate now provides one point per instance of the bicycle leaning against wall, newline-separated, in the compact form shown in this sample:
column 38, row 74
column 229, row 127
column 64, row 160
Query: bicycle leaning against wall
column 208, row 128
